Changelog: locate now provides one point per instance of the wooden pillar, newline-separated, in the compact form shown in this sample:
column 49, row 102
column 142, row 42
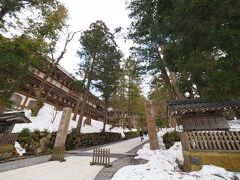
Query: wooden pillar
column 152, row 133
column 76, row 109
column 24, row 103
column 87, row 121
column 59, row 145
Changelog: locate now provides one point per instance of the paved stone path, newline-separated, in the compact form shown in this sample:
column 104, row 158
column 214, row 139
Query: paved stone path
column 23, row 163
column 76, row 166
column 107, row 173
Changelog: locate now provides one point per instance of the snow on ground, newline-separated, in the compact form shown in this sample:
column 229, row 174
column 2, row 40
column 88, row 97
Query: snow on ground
column 234, row 125
column 163, row 164
column 45, row 120
column 19, row 149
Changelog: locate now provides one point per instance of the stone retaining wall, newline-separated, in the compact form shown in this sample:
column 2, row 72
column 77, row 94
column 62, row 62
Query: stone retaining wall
column 37, row 142
column 194, row 160
column 220, row 148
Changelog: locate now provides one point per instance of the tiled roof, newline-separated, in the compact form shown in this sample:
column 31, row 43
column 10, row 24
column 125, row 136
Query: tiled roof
column 200, row 104
column 13, row 117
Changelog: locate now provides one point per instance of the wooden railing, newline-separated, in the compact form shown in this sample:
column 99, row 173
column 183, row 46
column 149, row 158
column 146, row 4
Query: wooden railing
column 101, row 156
column 8, row 138
column 211, row 140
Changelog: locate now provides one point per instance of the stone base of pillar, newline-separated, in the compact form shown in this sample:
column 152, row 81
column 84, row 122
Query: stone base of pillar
column 58, row 154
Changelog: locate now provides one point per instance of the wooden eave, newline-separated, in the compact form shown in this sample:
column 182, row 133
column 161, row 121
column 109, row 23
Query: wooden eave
column 57, row 96
column 179, row 108
column 14, row 118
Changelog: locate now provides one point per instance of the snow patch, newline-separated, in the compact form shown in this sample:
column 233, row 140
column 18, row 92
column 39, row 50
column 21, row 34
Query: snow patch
column 45, row 120
column 19, row 149
column 164, row 164
column 234, row 125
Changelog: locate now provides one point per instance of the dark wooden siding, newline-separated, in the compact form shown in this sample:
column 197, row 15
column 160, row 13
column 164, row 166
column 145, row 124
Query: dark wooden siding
column 196, row 123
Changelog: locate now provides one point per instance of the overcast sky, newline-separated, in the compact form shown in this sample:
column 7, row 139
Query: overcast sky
column 83, row 12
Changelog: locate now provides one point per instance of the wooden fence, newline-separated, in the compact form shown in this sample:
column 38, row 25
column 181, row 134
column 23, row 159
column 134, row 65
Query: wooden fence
column 211, row 140
column 8, row 138
column 101, row 156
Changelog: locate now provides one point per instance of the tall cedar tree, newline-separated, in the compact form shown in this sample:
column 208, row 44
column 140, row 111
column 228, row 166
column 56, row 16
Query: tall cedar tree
column 127, row 101
column 145, row 31
column 135, row 100
column 95, row 44
column 201, row 43
column 108, row 76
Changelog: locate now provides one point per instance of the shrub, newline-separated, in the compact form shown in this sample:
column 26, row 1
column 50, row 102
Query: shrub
column 90, row 139
column 25, row 132
column 131, row 134
column 169, row 138
column 38, row 142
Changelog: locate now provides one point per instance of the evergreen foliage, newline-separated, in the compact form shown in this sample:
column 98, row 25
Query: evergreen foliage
column 199, row 41
column 127, row 101
column 170, row 138
column 39, row 35
column 15, row 62
column 100, row 62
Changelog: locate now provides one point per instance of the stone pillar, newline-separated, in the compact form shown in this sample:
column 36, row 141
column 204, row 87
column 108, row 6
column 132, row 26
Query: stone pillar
column 59, row 145
column 152, row 133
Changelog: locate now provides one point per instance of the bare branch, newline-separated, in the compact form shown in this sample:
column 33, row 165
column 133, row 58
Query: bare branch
column 52, row 56
column 69, row 39
column 55, row 112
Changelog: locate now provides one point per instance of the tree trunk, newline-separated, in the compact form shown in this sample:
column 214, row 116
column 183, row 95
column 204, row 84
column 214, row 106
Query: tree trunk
column 105, row 118
column 191, row 95
column 152, row 132
column 78, row 102
column 38, row 104
column 76, row 108
column 88, row 76
column 83, row 107
column 166, row 79
column 2, row 106
column 171, row 91
column 179, row 95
